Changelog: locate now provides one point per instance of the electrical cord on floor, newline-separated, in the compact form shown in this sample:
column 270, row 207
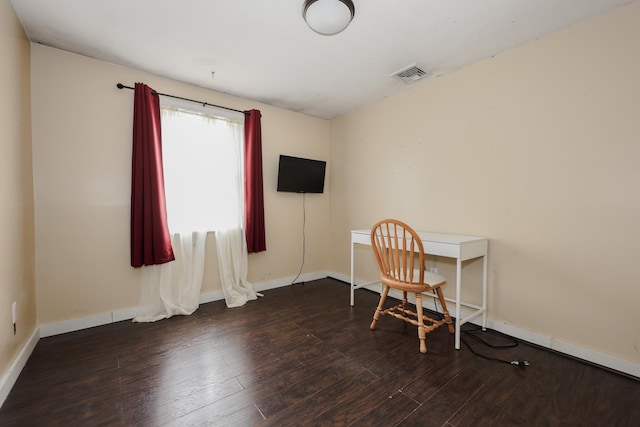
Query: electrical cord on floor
column 470, row 333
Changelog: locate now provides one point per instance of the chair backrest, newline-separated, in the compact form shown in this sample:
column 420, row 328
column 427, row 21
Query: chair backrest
column 399, row 253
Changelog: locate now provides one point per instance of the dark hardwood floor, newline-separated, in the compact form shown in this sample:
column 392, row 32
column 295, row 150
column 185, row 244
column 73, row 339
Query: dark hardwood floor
column 302, row 356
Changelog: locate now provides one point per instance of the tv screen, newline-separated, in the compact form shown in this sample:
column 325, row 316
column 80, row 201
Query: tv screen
column 298, row 175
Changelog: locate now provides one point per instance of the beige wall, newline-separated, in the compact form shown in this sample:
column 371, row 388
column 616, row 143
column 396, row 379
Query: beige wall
column 537, row 149
column 82, row 127
column 16, row 190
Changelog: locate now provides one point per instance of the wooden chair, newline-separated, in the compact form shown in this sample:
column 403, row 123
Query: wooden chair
column 400, row 256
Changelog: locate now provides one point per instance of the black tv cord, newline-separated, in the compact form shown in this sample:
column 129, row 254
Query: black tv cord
column 513, row 343
column 471, row 333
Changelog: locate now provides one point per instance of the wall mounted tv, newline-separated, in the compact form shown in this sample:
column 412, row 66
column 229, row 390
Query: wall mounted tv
column 298, row 175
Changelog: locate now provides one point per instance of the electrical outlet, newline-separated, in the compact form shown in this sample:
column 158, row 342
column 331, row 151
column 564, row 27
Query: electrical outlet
column 434, row 270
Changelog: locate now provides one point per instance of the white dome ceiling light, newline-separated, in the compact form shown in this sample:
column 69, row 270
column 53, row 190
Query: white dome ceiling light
column 328, row 17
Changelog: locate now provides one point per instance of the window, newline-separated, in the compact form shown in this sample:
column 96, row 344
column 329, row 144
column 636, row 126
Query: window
column 203, row 168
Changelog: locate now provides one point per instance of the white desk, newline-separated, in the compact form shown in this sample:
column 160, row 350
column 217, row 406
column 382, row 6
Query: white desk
column 456, row 246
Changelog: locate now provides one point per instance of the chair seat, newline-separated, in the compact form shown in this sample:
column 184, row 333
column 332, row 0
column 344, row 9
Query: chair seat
column 433, row 279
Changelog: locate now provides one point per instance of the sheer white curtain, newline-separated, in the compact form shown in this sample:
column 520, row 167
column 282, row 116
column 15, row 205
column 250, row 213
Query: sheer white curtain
column 230, row 237
column 174, row 288
column 203, row 169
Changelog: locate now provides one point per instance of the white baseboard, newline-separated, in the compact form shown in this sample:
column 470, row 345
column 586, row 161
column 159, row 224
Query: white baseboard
column 551, row 343
column 71, row 325
column 10, row 377
column 287, row 281
column 573, row 350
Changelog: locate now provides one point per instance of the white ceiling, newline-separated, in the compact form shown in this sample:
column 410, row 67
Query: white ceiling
column 264, row 51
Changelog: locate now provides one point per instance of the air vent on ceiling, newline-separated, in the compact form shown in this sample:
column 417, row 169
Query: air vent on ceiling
column 409, row 74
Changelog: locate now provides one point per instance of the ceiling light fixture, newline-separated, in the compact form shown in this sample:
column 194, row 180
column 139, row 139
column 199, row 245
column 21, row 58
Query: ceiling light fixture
column 328, row 17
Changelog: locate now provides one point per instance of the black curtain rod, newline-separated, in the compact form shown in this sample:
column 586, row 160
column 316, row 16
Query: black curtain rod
column 204, row 104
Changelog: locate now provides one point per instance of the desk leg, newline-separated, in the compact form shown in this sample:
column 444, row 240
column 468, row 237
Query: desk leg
column 484, row 292
column 458, row 299
column 351, row 286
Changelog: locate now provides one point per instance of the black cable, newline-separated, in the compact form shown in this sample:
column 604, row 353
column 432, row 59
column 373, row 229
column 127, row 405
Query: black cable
column 514, row 343
column 304, row 239
column 470, row 332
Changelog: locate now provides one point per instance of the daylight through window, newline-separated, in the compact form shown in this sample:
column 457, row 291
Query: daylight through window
column 203, row 170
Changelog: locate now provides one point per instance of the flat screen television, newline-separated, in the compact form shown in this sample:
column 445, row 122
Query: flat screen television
column 298, row 175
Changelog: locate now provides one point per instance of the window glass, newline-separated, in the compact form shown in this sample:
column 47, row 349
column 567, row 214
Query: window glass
column 202, row 158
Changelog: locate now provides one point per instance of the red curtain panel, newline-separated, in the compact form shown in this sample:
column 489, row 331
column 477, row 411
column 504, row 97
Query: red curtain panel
column 150, row 239
column 253, row 188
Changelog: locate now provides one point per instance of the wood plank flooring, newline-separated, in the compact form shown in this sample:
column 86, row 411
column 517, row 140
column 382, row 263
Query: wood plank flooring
column 302, row 356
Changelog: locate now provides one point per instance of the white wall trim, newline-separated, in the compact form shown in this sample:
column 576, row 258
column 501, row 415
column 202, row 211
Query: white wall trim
column 560, row 346
column 551, row 343
column 62, row 327
column 10, row 377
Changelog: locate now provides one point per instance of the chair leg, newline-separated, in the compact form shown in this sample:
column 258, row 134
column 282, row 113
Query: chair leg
column 447, row 316
column 378, row 312
column 421, row 330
